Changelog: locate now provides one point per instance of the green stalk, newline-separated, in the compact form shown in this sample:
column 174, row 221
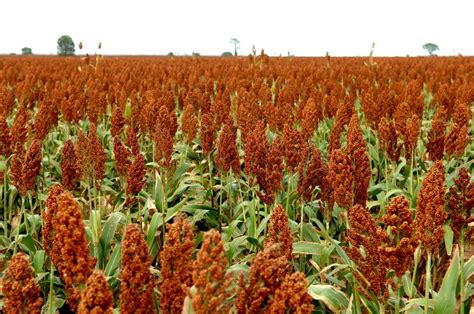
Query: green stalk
column 23, row 200
column 5, row 212
column 382, row 209
column 164, row 204
column 357, row 297
column 241, row 199
column 411, row 175
column 19, row 224
column 211, row 178
column 229, row 177
column 30, row 199
column 398, row 298
column 155, row 185
column 461, row 279
column 51, row 292
column 288, row 195
column 412, row 285
column 220, row 207
column 89, row 194
column 381, row 307
column 354, row 282
column 255, row 212
column 301, row 221
column 265, row 209
column 427, row 283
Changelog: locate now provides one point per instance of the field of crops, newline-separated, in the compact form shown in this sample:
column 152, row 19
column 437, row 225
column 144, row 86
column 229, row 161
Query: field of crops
column 243, row 184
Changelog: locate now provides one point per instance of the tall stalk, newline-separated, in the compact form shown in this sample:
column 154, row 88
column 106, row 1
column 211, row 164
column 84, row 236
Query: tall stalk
column 164, row 203
column 301, row 220
column 398, row 298
column 211, row 178
column 6, row 213
column 288, row 187
column 51, row 292
column 356, row 295
column 461, row 275
column 22, row 212
column 427, row 283
column 411, row 175
column 220, row 208
column 415, row 269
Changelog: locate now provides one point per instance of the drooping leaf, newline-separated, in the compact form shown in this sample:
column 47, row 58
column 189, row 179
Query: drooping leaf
column 307, row 248
column 446, row 300
column 333, row 298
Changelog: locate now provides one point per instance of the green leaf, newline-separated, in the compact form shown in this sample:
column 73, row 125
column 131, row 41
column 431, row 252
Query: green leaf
column 334, row 299
column 95, row 222
column 263, row 224
column 307, row 248
column 254, row 242
column 372, row 306
column 158, row 192
column 468, row 268
column 234, row 247
column 108, row 231
column 446, row 300
column 393, row 192
column 38, row 261
column 28, row 244
column 372, row 204
column 406, row 280
column 340, row 251
column 113, row 262
column 40, row 276
column 373, row 153
column 57, row 303
column 156, row 222
column 413, row 305
column 448, row 239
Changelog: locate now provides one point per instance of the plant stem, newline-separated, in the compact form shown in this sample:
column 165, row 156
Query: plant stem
column 211, row 178
column 411, row 175
column 229, row 178
column 51, row 292
column 164, row 202
column 89, row 195
column 288, row 195
column 220, row 207
column 241, row 199
column 397, row 300
column 30, row 199
column 412, row 285
column 5, row 218
column 381, row 307
column 461, row 275
column 427, row 283
column 301, row 221
column 23, row 201
column 19, row 224
column 386, row 173
column 356, row 297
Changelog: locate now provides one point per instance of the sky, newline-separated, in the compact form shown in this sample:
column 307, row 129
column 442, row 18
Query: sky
column 301, row 28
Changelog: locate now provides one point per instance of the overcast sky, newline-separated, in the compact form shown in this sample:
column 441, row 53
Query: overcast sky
column 300, row 27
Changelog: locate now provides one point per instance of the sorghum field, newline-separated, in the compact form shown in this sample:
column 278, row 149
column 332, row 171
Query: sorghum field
column 242, row 184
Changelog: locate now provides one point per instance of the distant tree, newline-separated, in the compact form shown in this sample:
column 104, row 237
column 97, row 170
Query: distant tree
column 235, row 42
column 430, row 48
column 65, row 46
column 170, row 54
column 196, row 54
column 227, row 54
column 26, row 51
